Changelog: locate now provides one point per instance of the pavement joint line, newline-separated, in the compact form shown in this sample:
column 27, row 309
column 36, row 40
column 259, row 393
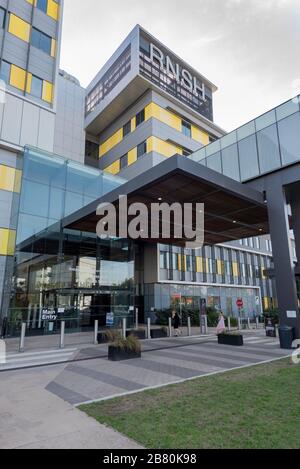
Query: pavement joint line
column 45, row 352
column 179, row 381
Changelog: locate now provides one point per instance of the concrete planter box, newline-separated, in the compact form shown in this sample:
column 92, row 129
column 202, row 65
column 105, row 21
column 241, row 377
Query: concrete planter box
column 140, row 333
column 231, row 339
column 158, row 333
column 101, row 338
column 116, row 354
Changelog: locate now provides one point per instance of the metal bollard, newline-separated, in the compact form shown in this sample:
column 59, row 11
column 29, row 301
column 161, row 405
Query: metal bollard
column 249, row 323
column 22, row 338
column 62, row 335
column 205, row 325
column 96, row 332
column 170, row 327
column 239, row 324
column 257, row 323
column 189, row 327
column 149, row 328
column 124, row 328
column 229, row 323
column 136, row 319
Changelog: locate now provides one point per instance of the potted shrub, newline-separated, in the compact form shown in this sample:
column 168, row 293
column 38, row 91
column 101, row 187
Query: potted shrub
column 230, row 338
column 159, row 333
column 124, row 349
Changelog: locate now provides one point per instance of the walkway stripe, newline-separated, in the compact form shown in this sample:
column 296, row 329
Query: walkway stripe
column 64, row 393
column 218, row 362
column 107, row 378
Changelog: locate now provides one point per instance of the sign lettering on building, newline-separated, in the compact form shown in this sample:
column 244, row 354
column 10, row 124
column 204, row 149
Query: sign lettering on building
column 181, row 75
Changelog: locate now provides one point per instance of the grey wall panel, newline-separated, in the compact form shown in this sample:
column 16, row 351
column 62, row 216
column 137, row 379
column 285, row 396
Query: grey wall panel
column 8, row 158
column 125, row 117
column 141, row 165
column 165, row 132
column 15, row 51
column 44, row 22
column 46, row 130
column 23, row 9
column 30, row 124
column 6, row 201
column 41, row 64
column 12, row 119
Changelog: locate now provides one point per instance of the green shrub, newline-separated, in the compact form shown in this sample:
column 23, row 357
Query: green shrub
column 272, row 313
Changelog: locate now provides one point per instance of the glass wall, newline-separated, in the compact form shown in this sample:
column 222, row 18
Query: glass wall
column 263, row 145
column 62, row 274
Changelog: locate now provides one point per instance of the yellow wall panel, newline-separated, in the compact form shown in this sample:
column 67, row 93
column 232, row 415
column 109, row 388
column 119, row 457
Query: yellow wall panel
column 7, row 242
column 199, row 264
column 19, row 27
column 47, row 91
column 200, row 136
column 111, row 142
column 162, row 147
column 113, row 168
column 17, row 77
column 163, row 115
column 53, row 9
column 10, row 179
column 29, row 82
column 235, row 269
column 133, row 124
column 132, row 156
column 179, row 262
column 53, row 48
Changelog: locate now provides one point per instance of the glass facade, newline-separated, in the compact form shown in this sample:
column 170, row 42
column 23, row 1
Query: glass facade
column 265, row 144
column 62, row 273
column 227, row 268
column 109, row 81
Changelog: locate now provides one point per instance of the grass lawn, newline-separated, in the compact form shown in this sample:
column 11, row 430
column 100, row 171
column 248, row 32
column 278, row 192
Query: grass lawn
column 257, row 407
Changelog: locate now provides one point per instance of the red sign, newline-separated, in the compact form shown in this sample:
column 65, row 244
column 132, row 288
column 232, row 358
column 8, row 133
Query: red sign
column 239, row 303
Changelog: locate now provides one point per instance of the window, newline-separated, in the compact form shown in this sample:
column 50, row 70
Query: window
column 175, row 261
column 36, row 87
column 5, row 71
column 141, row 149
column 140, row 117
column 164, row 260
column 187, row 129
column 2, row 17
column 41, row 41
column 124, row 161
column 189, row 264
column 257, row 243
column 126, row 129
column 42, row 5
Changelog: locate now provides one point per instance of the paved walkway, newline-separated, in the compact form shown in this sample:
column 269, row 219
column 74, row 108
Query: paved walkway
column 171, row 360
column 32, row 417
column 37, row 405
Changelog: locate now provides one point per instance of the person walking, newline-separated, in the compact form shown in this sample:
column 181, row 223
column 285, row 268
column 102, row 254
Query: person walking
column 176, row 323
column 221, row 328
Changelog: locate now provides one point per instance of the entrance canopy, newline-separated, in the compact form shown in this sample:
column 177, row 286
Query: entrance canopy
column 232, row 210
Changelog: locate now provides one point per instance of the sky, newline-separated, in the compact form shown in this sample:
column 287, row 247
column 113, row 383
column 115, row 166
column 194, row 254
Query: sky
column 249, row 48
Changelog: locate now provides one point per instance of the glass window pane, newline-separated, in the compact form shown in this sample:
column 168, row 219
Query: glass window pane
column 230, row 162
column 265, row 120
column 213, row 148
column 2, row 18
column 42, row 5
column 36, row 87
column 287, row 109
column 199, row 155
column 268, row 149
column 35, row 38
column 246, row 130
column 45, row 43
column 5, row 72
column 289, row 137
column 214, row 162
column 248, row 158
column 228, row 139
